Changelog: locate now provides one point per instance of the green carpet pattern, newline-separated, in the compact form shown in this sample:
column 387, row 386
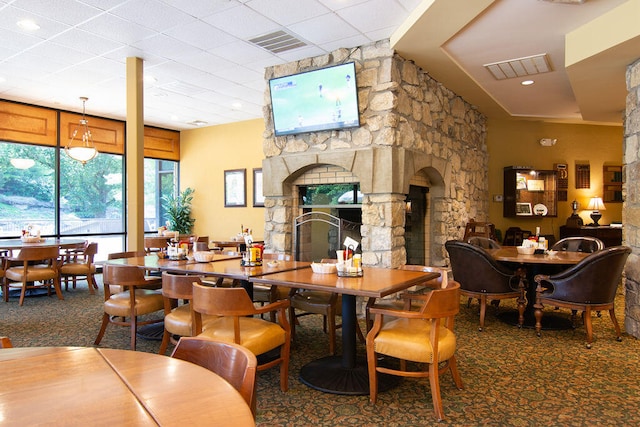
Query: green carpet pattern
column 511, row 376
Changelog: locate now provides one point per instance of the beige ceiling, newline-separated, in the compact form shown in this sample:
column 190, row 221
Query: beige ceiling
column 204, row 68
column 589, row 44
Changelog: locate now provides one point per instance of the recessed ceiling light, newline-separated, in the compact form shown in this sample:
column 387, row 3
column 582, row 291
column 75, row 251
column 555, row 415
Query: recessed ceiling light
column 527, row 82
column 2, row 79
column 237, row 105
column 28, row 25
column 150, row 79
column 198, row 123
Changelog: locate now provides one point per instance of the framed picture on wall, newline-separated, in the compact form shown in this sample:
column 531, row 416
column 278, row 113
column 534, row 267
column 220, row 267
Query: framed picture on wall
column 258, row 197
column 235, row 188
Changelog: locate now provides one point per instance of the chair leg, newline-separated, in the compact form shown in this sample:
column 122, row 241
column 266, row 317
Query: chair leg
column 23, row 291
column 91, row 284
column 612, row 314
column 483, row 311
column 103, row 328
column 373, row 376
column 134, row 329
column 285, row 354
column 165, row 342
column 58, row 289
column 434, row 381
column 453, row 367
column 588, row 326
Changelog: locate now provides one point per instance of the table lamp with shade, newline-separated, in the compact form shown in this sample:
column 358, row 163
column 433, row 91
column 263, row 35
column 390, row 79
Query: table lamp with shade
column 596, row 205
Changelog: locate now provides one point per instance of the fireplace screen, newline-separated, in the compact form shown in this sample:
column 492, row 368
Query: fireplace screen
column 318, row 235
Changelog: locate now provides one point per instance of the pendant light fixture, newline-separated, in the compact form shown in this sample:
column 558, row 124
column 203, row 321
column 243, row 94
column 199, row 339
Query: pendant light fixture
column 81, row 148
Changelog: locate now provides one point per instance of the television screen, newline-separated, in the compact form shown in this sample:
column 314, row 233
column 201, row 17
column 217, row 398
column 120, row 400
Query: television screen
column 317, row 100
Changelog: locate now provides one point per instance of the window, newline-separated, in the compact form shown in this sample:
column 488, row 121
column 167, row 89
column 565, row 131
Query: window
column 27, row 188
column 160, row 178
column 330, row 195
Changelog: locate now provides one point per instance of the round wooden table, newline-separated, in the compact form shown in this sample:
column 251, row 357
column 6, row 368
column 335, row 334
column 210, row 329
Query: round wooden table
column 92, row 386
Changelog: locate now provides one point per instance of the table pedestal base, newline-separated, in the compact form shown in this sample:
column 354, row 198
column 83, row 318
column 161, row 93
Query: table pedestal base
column 328, row 375
column 153, row 332
column 550, row 321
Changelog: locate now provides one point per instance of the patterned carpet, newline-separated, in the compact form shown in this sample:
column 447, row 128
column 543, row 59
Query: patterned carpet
column 511, row 377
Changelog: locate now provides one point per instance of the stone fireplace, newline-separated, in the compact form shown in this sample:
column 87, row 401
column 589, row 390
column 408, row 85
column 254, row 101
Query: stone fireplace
column 413, row 131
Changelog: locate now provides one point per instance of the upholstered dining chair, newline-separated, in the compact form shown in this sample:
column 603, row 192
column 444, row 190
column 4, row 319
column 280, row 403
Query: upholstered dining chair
column 177, row 293
column 236, row 325
column 155, row 244
column 123, row 308
column 403, row 300
column 327, row 304
column 233, row 362
column 31, row 265
column 484, row 242
column 587, row 244
column 79, row 264
column 119, row 255
column 589, row 285
column 264, row 294
column 482, row 277
column 424, row 336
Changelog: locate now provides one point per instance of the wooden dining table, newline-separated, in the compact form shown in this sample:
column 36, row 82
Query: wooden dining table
column 16, row 244
column 91, row 386
column 346, row 373
column 535, row 264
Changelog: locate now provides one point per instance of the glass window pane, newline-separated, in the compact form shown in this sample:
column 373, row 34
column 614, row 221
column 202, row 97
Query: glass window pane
column 27, row 188
column 91, row 198
column 330, row 194
column 160, row 177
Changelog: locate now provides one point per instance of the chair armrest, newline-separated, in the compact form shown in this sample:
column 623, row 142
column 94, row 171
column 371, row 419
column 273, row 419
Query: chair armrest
column 274, row 306
column 407, row 314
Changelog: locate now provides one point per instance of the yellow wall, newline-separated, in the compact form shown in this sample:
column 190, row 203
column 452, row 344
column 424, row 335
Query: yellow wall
column 515, row 142
column 205, row 154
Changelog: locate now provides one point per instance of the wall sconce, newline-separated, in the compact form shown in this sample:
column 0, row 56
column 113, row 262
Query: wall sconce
column 82, row 149
column 548, row 142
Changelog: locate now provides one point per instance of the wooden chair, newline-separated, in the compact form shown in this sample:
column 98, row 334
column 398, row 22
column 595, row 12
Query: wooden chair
column 327, row 304
column 482, row 277
column 233, row 362
column 423, row 336
column 265, row 294
column 483, row 242
column 404, row 301
column 236, row 325
column 5, row 342
column 119, row 255
column 79, row 264
column 481, row 229
column 31, row 265
column 155, row 244
column 514, row 236
column 589, row 285
column 130, row 304
column 178, row 318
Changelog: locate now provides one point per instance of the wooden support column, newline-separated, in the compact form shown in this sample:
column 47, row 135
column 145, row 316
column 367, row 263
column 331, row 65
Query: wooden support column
column 135, row 155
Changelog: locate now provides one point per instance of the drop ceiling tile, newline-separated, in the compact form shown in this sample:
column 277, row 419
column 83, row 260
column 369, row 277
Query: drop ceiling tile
column 202, row 8
column 70, row 12
column 373, row 15
column 324, row 29
column 48, row 28
column 240, row 52
column 112, row 27
column 242, row 22
column 152, row 14
column 198, row 33
column 166, row 47
column 239, row 74
column 86, row 42
column 287, row 12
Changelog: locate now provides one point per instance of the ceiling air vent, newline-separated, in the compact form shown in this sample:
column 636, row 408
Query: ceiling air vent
column 278, row 42
column 519, row 67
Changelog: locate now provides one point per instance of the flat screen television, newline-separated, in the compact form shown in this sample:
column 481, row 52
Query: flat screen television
column 317, row 100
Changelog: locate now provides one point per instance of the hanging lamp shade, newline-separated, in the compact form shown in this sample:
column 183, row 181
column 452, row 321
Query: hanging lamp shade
column 81, row 146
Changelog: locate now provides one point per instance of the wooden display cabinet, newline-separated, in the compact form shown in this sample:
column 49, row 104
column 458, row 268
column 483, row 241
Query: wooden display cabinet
column 612, row 184
column 530, row 192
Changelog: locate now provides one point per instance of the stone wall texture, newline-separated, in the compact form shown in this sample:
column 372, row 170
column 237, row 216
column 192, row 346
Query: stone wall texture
column 410, row 124
column 631, row 196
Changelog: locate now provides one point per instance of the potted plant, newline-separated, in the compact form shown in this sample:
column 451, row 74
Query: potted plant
column 178, row 211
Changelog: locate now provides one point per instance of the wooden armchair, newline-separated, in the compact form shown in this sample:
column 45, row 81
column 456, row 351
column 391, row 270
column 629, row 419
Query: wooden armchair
column 178, row 318
column 135, row 301
column 589, row 285
column 31, row 265
column 236, row 325
column 424, row 336
column 78, row 264
column 232, row 362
